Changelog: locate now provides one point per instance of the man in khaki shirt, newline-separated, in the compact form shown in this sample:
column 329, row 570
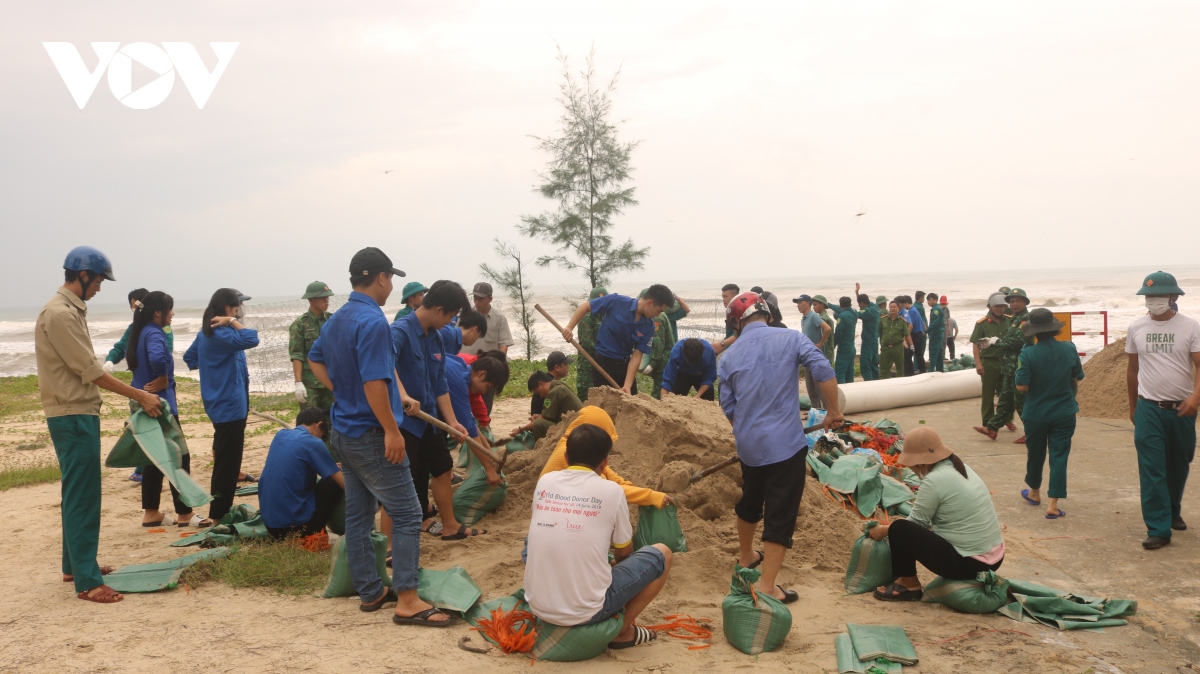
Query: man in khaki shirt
column 498, row 337
column 70, row 379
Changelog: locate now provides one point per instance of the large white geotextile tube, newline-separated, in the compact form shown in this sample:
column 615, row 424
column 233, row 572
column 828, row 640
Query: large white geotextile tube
column 922, row 389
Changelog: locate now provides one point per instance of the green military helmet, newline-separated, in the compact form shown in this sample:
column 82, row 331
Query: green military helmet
column 1016, row 292
column 881, row 300
column 1160, row 283
column 317, row 289
column 412, row 288
column 821, row 299
column 1004, row 290
column 599, row 291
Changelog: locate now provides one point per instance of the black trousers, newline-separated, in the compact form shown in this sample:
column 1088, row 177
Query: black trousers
column 950, row 346
column 328, row 495
column 912, row 543
column 428, row 457
column 919, row 366
column 616, row 369
column 684, row 383
column 152, row 479
column 229, row 439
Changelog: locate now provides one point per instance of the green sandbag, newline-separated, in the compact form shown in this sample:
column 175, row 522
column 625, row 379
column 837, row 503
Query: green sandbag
column 985, row 594
column 160, row 442
column 894, row 492
column 248, row 490
column 523, row 441
column 452, row 589
column 848, row 662
column 475, row 498
column 339, row 583
column 659, row 525
column 1034, row 590
column 870, row 563
column 967, row 361
column 805, row 403
column 159, row 575
column 872, row 642
column 241, row 522
column 554, row 643
column 752, row 626
column 886, row 425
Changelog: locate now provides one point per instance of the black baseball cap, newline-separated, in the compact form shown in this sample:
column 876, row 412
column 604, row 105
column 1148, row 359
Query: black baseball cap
column 371, row 261
column 557, row 358
column 802, row 298
column 482, row 289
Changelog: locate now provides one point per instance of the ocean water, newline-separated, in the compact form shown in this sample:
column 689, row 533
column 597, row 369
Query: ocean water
column 1110, row 289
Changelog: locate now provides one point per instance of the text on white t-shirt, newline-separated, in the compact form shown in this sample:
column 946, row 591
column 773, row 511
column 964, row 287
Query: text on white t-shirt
column 1164, row 350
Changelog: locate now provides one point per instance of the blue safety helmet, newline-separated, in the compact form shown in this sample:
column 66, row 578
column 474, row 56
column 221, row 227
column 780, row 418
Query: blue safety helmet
column 86, row 258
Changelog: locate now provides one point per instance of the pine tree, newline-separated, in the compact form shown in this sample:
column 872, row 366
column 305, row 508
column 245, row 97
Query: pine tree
column 587, row 175
column 514, row 281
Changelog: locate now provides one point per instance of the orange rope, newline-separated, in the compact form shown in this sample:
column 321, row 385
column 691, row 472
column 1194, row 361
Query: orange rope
column 315, row 543
column 683, row 626
column 513, row 631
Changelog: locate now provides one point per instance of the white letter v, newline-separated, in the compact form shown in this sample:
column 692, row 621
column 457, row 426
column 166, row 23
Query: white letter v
column 79, row 81
column 195, row 76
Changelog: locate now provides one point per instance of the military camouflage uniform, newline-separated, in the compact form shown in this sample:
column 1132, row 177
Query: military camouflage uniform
column 1010, row 345
column 585, row 377
column 660, row 351
column 301, row 334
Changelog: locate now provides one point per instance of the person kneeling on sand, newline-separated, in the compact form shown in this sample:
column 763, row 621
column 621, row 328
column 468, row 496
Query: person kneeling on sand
column 952, row 531
column 568, row 579
column 290, row 497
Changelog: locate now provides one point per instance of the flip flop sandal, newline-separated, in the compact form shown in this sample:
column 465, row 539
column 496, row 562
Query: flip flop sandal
column 986, row 431
column 249, row 478
column 641, row 635
column 462, row 533
column 1019, row 441
column 761, row 556
column 1025, row 495
column 423, row 618
column 1061, row 513
column 196, row 521
column 789, row 596
column 104, row 571
column 388, row 562
column 897, row 592
column 106, row 595
column 435, row 528
column 389, row 597
column 455, row 479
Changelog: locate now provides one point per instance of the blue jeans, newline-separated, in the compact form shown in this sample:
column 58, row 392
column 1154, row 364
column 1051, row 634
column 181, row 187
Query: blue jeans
column 629, row 577
column 372, row 480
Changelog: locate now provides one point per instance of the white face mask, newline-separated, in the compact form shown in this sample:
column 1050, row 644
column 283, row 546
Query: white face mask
column 1158, row 305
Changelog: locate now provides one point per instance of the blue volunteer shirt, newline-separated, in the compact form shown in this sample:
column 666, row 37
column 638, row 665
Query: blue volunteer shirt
column 759, row 393
column 285, row 487
column 421, row 363
column 356, row 347
column 906, row 317
column 224, row 378
column 677, row 364
column 458, row 380
column 917, row 320
column 451, row 339
column 155, row 360
column 622, row 331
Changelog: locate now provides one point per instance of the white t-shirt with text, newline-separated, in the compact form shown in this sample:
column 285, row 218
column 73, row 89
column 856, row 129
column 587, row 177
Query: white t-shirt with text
column 577, row 516
column 1164, row 350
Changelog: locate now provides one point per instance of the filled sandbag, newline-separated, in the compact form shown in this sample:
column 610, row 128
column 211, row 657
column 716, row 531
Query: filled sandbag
column 659, row 525
column 554, row 642
column 475, row 498
column 985, row 594
column 870, row 563
column 339, row 583
column 753, row 622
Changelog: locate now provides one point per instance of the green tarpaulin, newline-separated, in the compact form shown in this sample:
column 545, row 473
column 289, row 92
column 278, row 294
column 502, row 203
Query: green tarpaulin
column 889, row 642
column 848, row 662
column 159, row 442
column 1063, row 610
column 241, row 522
column 452, row 589
column 250, row 490
column 160, row 575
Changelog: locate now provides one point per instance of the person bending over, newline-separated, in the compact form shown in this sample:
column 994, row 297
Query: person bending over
column 558, row 399
column 292, row 500
column 952, row 531
column 568, row 579
column 626, row 333
column 691, row 365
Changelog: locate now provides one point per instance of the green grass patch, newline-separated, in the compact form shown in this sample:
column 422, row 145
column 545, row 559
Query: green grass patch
column 282, row 566
column 20, row 477
column 19, row 395
column 37, row 442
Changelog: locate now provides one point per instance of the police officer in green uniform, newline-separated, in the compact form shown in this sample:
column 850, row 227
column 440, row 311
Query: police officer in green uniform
column 821, row 306
column 301, row 334
column 988, row 331
column 843, row 336
column 868, row 357
column 413, row 293
column 1011, row 342
column 894, row 334
column 588, row 327
column 936, row 334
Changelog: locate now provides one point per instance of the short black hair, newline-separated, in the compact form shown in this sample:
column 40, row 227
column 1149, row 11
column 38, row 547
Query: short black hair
column 660, row 295
column 693, row 350
column 920, row 295
column 495, row 369
column 844, row 302
column 731, row 287
column 311, row 415
column 757, row 289
column 539, row 377
column 360, row 281
column 588, row 445
column 932, row 296
column 864, row 298
column 469, row 318
column 138, row 294
column 898, row 299
column 447, row 296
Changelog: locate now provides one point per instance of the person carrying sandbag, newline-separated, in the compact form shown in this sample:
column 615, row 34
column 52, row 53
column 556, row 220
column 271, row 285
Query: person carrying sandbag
column 953, row 530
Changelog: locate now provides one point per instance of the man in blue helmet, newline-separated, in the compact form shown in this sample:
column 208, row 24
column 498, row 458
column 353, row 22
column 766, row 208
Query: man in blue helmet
column 69, row 379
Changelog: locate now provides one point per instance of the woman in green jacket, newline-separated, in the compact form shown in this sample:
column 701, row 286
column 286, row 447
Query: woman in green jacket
column 952, row 531
column 1049, row 371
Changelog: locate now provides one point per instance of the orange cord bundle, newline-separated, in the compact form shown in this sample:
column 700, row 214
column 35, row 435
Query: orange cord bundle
column 513, row 631
column 315, row 543
column 683, row 626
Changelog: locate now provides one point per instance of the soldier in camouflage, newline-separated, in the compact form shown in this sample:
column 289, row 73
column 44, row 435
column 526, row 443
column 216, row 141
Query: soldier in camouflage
column 1010, row 344
column 588, row 327
column 301, row 334
column 660, row 351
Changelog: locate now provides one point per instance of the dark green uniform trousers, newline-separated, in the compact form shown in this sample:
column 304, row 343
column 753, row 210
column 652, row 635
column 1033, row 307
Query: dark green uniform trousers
column 868, row 361
column 1010, row 399
column 844, row 367
column 323, row 399
column 76, row 439
column 937, row 350
column 991, row 384
column 1166, row 444
column 891, row 357
column 1056, row 435
column 583, row 377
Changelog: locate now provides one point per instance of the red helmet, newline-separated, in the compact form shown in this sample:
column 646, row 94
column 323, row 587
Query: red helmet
column 744, row 306
column 944, row 301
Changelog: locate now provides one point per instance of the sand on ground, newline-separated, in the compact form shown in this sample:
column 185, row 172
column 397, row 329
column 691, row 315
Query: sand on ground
column 1094, row 551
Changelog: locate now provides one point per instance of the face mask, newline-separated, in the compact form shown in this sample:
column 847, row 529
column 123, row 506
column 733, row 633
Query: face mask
column 1158, row 305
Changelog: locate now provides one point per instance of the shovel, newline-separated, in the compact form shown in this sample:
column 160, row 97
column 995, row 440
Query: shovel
column 700, row 475
column 580, row 349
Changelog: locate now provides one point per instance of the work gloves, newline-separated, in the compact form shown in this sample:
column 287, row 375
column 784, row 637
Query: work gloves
column 108, row 366
column 301, row 393
column 988, row 342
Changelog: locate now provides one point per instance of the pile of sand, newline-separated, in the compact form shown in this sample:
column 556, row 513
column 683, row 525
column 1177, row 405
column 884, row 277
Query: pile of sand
column 1103, row 393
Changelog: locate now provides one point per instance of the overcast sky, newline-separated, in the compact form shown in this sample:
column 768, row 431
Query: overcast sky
column 975, row 135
